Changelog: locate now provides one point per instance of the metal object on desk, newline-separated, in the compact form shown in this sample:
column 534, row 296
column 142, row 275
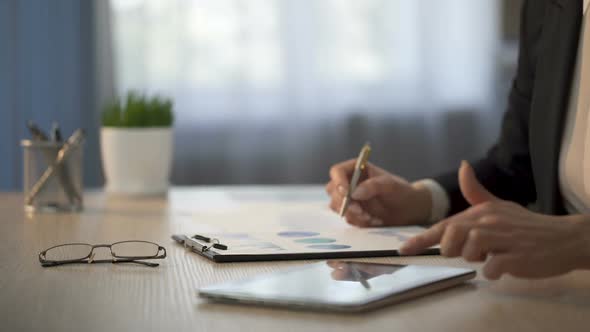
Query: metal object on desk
column 53, row 184
column 38, row 135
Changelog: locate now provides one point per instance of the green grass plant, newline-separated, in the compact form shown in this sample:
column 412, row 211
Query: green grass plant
column 138, row 111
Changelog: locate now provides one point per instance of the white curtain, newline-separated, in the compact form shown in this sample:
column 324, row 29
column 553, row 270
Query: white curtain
column 271, row 91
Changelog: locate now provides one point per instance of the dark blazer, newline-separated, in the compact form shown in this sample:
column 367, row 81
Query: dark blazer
column 523, row 165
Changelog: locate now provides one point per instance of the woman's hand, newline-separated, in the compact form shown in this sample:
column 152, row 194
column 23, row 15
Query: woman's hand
column 511, row 238
column 382, row 199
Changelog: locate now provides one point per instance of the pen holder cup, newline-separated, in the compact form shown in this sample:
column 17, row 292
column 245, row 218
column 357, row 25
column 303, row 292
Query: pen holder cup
column 51, row 184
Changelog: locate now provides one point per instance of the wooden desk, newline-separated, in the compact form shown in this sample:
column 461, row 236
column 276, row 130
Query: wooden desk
column 107, row 297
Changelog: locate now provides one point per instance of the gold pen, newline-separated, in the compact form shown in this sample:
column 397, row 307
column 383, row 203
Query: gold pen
column 359, row 167
column 359, row 277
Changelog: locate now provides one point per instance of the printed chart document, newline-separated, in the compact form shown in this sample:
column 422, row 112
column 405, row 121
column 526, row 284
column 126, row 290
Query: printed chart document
column 279, row 231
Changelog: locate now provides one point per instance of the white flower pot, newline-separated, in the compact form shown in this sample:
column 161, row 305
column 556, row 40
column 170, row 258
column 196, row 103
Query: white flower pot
column 136, row 160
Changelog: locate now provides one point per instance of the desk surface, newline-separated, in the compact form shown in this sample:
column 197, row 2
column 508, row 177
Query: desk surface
column 108, row 297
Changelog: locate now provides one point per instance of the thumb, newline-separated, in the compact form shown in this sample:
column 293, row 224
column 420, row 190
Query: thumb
column 473, row 191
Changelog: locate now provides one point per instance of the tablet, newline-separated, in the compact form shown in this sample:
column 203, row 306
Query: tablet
column 339, row 286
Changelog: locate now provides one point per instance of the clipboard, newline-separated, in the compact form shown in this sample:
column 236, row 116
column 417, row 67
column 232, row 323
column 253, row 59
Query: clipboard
column 203, row 245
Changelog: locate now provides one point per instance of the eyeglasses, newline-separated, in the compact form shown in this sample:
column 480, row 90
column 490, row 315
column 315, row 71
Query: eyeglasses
column 122, row 252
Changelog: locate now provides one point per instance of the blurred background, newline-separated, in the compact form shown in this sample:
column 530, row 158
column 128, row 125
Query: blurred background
column 265, row 91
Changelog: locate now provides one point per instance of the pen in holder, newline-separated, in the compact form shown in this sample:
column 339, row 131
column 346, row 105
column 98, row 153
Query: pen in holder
column 52, row 174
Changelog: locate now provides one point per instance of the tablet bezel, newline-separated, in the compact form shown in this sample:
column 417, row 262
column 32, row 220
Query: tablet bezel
column 221, row 296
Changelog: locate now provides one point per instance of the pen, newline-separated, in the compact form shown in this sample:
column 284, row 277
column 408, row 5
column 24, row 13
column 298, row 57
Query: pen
column 359, row 167
column 55, row 132
column 191, row 242
column 36, row 132
column 358, row 277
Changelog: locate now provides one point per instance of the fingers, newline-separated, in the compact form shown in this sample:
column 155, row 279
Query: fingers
column 356, row 216
column 340, row 270
column 473, row 191
column 377, row 211
column 452, row 233
column 336, row 264
column 453, row 239
column 334, row 190
column 471, row 239
column 524, row 265
column 500, row 264
column 427, row 239
column 336, row 203
column 377, row 183
column 341, row 172
column 373, row 187
column 338, row 185
column 473, row 244
column 330, row 187
column 481, row 242
column 337, row 194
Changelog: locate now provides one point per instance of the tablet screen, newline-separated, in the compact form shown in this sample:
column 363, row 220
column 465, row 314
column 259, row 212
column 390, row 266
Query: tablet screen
column 334, row 283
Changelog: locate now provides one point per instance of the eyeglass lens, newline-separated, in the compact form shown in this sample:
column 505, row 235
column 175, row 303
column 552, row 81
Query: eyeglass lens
column 134, row 249
column 68, row 252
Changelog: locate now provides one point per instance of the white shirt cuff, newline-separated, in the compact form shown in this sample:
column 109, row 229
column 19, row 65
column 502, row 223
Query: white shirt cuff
column 440, row 199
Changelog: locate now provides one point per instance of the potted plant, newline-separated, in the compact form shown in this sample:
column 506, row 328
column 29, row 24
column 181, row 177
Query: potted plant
column 136, row 144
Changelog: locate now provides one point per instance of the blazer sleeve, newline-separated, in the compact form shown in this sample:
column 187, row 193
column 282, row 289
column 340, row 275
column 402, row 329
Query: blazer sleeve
column 506, row 170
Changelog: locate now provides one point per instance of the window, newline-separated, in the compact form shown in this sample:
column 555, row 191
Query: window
column 262, row 58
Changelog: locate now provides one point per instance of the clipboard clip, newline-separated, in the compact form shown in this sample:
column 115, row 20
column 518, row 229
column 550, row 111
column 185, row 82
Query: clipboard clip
column 214, row 242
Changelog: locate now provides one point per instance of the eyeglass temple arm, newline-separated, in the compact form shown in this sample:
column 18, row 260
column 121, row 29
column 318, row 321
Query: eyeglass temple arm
column 150, row 264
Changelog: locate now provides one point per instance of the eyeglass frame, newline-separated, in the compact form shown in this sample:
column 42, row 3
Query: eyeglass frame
column 115, row 258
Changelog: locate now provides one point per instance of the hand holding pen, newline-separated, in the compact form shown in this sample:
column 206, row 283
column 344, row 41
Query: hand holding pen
column 378, row 198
